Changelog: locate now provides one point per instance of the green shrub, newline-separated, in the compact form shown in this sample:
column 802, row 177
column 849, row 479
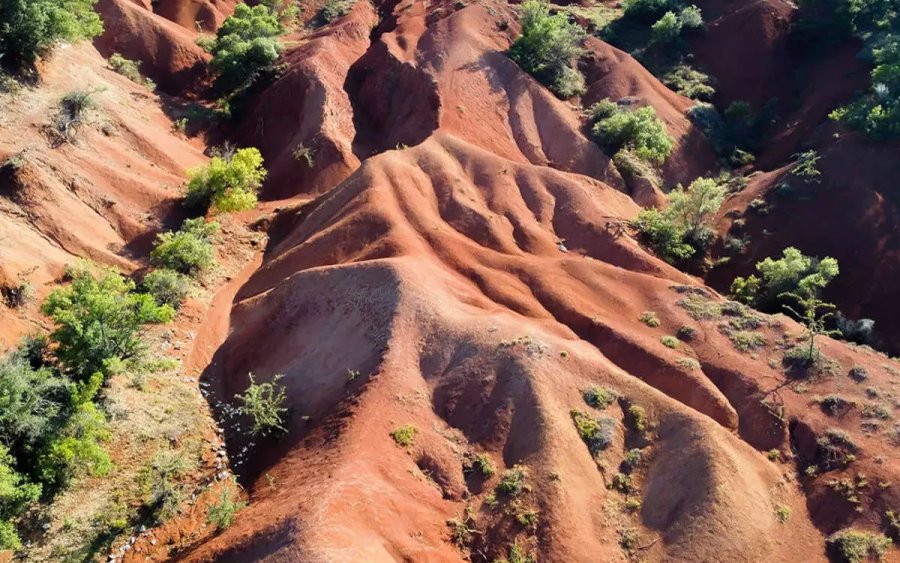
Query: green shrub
column 649, row 318
column 30, row 28
column 480, row 464
column 600, row 397
column 160, row 483
column 691, row 83
column 75, row 449
column 597, row 433
column 264, row 404
column 129, row 69
column 188, row 250
column 334, row 9
column 793, row 272
column 669, row 341
column 222, row 513
column 691, row 17
column 245, row 46
column 512, row 481
column 228, row 183
column 404, row 435
column 667, row 28
column 684, row 228
column 686, row 333
column 547, row 46
column 639, row 130
column 663, row 235
column 167, row 287
column 646, row 10
column 99, row 318
column 32, row 400
column 16, row 493
column 636, row 418
column 855, row 546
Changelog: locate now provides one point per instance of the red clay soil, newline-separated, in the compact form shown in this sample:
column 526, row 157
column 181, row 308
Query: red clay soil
column 852, row 215
column 472, row 278
column 167, row 52
column 196, row 15
column 436, row 273
column 99, row 197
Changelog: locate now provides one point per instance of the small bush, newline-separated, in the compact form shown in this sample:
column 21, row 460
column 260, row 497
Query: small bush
column 404, row 435
column 667, row 28
column 663, row 235
column 834, row 405
column 597, row 433
column 167, row 287
column 691, row 17
column 669, row 341
column 334, row 9
column 600, row 397
column 686, row 333
column 480, row 464
column 160, row 482
column 222, row 513
column 264, row 404
column 228, row 183
column 129, row 69
column 645, row 10
column 622, row 483
column 632, row 460
column 547, row 47
column 188, row 250
column 650, row 319
column 858, row 374
column 690, row 82
column 856, row 546
column 512, row 481
column 782, row 513
column 639, row 130
column 305, row 154
column 636, row 418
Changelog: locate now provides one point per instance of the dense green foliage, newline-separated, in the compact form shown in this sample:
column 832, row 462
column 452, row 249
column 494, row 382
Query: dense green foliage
column 547, row 48
column 618, row 127
column 30, row 28
column 244, row 47
column 856, row 546
column 683, row 228
column 98, row 319
column 16, row 493
column 794, row 272
column 264, row 404
column 167, row 287
column 228, row 183
column 221, row 514
column 333, row 9
column 877, row 24
column 188, row 250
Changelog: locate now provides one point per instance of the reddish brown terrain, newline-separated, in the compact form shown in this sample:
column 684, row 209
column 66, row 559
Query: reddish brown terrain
column 458, row 258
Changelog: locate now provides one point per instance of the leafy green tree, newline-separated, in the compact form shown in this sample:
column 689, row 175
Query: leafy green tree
column 814, row 313
column 75, row 449
column 264, row 404
column 244, row 47
column 547, row 47
column 666, row 28
column 791, row 273
column 30, row 28
column 646, row 10
column 691, row 17
column 878, row 112
column 639, row 130
column 188, row 250
column 16, row 493
column 683, row 228
column 661, row 233
column 693, row 209
column 228, row 183
column 99, row 318
column 31, row 401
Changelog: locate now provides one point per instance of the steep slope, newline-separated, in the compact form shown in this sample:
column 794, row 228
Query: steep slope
column 436, row 273
column 101, row 194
